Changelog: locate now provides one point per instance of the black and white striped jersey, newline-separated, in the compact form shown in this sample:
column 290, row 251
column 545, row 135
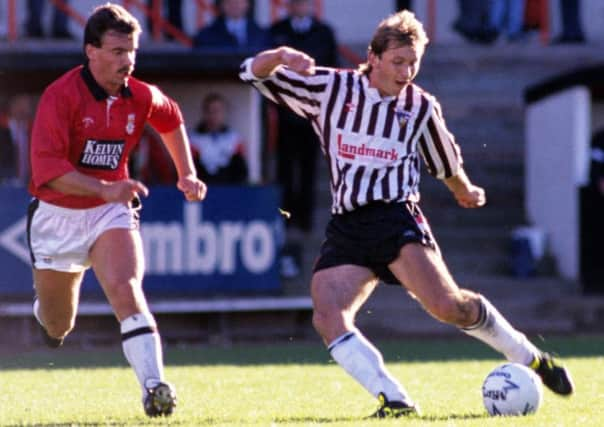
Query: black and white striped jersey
column 372, row 143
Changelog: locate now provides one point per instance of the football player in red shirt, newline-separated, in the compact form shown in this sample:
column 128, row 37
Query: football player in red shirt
column 84, row 209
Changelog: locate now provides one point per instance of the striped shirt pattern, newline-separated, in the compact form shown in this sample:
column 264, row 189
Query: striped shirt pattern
column 372, row 143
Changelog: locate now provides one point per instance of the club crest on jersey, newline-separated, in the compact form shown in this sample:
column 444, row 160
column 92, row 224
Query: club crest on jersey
column 130, row 123
column 402, row 116
column 87, row 121
column 102, row 154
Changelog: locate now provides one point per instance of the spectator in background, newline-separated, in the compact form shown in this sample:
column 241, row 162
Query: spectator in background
column 8, row 156
column 174, row 11
column 572, row 29
column 218, row 150
column 3, row 29
column 592, row 225
column 597, row 162
column 35, row 12
column 474, row 21
column 233, row 29
column 507, row 18
column 19, row 123
column 15, row 131
column 297, row 145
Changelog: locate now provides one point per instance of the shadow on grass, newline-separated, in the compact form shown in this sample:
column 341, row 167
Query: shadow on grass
column 132, row 422
column 279, row 420
column 326, row 420
column 454, row 417
column 298, row 353
column 83, row 424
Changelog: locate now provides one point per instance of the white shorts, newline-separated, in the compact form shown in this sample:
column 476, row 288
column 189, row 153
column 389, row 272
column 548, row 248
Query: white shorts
column 60, row 238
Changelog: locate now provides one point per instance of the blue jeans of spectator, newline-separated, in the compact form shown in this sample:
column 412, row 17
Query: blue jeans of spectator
column 508, row 17
column 34, row 19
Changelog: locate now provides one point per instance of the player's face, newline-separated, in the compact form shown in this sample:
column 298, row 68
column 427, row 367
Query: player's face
column 394, row 69
column 300, row 8
column 215, row 115
column 113, row 62
column 235, row 9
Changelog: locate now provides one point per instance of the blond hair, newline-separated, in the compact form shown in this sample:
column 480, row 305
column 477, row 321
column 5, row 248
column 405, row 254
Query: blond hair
column 399, row 29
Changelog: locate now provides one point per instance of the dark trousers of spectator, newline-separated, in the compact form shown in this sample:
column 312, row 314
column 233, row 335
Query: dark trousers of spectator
column 572, row 30
column 297, row 151
column 35, row 11
column 8, row 156
column 473, row 21
column 403, row 4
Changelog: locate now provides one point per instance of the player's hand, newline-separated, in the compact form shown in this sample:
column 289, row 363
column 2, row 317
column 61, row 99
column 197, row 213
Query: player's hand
column 297, row 61
column 193, row 188
column 123, row 191
column 471, row 197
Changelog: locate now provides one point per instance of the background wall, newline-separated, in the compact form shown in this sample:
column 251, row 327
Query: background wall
column 557, row 153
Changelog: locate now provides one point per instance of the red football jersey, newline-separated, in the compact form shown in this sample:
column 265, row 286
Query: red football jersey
column 78, row 126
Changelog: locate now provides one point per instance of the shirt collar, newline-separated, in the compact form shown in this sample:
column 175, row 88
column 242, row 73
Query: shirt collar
column 372, row 92
column 301, row 24
column 235, row 24
column 97, row 91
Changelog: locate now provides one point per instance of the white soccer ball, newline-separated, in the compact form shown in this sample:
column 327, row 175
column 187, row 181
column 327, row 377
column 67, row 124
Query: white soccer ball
column 512, row 389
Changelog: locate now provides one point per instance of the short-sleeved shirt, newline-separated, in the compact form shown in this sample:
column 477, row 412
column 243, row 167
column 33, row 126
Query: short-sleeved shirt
column 372, row 143
column 79, row 127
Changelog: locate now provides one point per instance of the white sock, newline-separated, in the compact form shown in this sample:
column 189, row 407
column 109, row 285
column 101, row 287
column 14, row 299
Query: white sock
column 494, row 330
column 142, row 348
column 365, row 364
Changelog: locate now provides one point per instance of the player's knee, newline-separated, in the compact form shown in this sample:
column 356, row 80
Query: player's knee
column 320, row 322
column 58, row 328
column 328, row 323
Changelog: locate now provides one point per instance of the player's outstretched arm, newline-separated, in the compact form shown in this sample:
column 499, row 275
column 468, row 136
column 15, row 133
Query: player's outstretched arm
column 467, row 194
column 265, row 62
column 178, row 146
column 78, row 184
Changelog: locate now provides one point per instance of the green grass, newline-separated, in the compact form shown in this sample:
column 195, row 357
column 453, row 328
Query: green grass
column 285, row 384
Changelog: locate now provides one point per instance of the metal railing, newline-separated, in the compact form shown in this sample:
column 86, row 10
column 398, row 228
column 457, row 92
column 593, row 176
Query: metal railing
column 153, row 12
column 203, row 8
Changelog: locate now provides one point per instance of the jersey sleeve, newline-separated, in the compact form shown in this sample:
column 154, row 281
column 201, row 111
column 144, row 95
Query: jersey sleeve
column 50, row 140
column 438, row 147
column 303, row 95
column 164, row 115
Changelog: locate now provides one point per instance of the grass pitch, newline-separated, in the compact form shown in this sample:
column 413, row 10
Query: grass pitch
column 289, row 384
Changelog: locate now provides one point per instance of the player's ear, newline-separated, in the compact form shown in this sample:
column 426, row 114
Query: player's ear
column 89, row 50
column 372, row 59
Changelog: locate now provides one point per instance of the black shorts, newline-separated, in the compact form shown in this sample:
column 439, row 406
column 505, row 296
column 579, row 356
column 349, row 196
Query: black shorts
column 372, row 236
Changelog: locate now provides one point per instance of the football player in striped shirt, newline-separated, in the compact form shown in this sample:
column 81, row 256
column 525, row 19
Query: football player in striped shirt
column 374, row 124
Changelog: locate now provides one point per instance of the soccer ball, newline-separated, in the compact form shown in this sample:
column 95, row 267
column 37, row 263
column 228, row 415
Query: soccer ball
column 512, row 389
